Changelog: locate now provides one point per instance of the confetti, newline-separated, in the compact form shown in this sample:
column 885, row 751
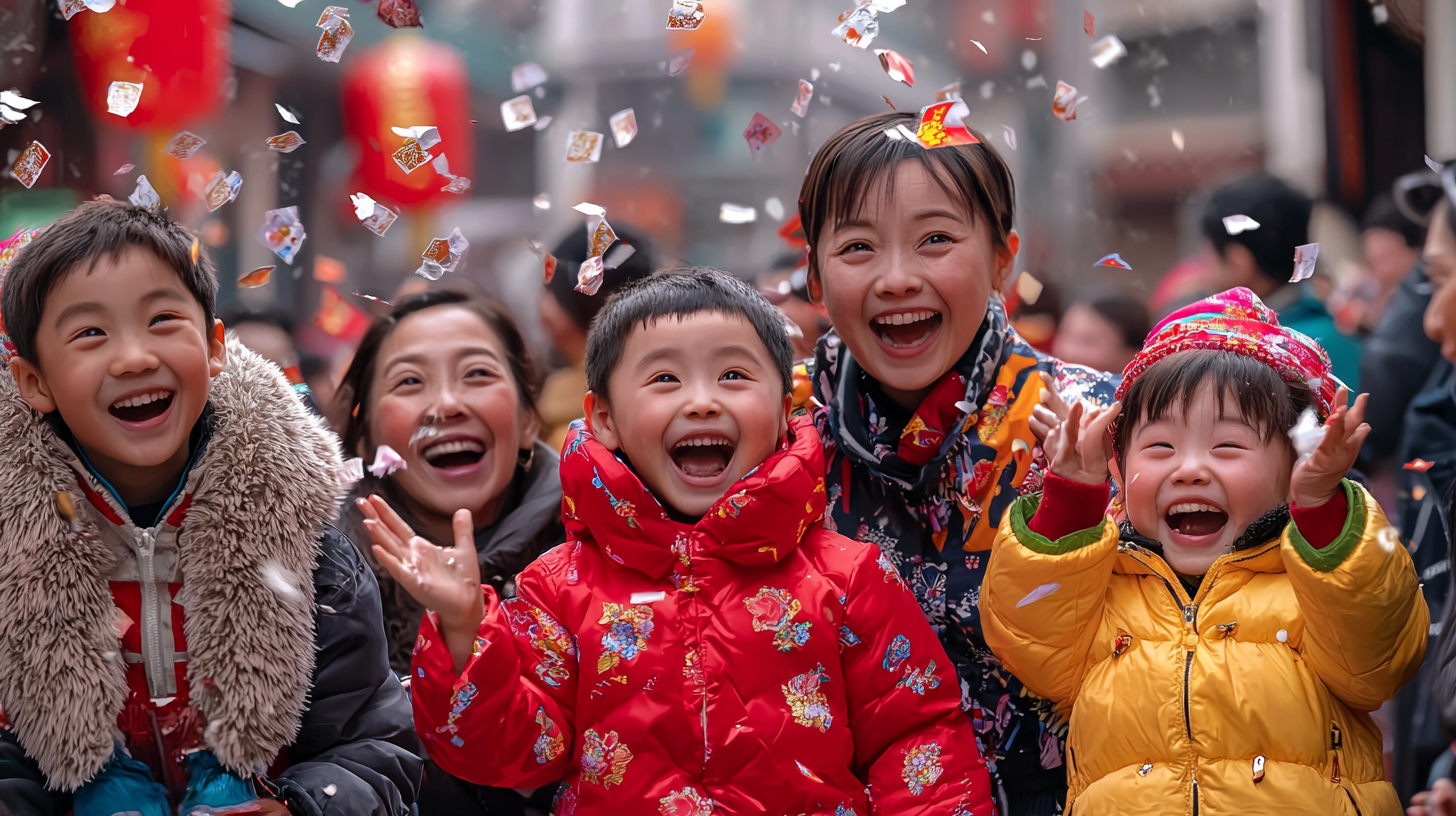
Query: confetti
column 685, row 15
column 1380, row 14
column 29, row 164
column 374, row 216
column 459, row 185
column 583, row 146
column 526, row 76
column 373, row 298
column 589, row 276
column 1115, row 261
column 618, row 255
column 283, row 584
column 680, row 62
column 887, row 102
column 518, row 113
column 416, row 148
column 282, row 232
column 1178, row 139
column 548, row 268
column 1435, row 166
column 977, row 44
column 70, row 8
column 291, row 3
column 542, row 202
column 624, row 126
column 774, row 208
column 1037, row 81
column 1108, row 50
column 1307, row 434
column 600, row 234
column 124, row 169
column 184, row 144
column 1089, row 24
column 859, row 26
column 1028, row 59
column 286, row 142
column 288, row 115
column 1304, row 257
column 222, row 189
column 588, row 208
column 337, row 33
column 386, row 460
column 122, row 98
column 542, row 123
column 1235, row 224
column 1037, row 594
column 1028, row 288
column 760, row 133
column 801, row 102
column 1065, row 101
column 258, row 277
column 328, row 270
column 399, row 13
column 196, row 250
column 144, row 195
column 1419, row 465
column 896, row 67
column 943, row 125
column 736, row 214
column 442, row 255
column 949, row 92
column 13, row 107
column 331, row 789
column 1009, row 135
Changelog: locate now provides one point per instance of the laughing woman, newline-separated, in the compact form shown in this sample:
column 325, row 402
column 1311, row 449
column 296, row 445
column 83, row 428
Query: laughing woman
column 445, row 380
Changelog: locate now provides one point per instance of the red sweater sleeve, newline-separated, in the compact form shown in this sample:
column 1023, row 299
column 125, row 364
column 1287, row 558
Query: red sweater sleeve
column 1067, row 507
column 1321, row 525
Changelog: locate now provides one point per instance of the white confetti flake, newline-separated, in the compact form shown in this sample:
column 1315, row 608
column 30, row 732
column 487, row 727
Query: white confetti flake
column 1108, row 50
column 518, row 113
column 279, row 580
column 1435, row 166
column 1009, row 135
column 288, row 115
column 736, row 214
column 1235, row 224
column 542, row 202
column 774, row 208
column 1307, row 434
column 1037, row 594
column 330, row 789
column 977, row 43
column 1178, row 139
column 122, row 98
column 1305, row 256
column 386, row 461
column 526, row 76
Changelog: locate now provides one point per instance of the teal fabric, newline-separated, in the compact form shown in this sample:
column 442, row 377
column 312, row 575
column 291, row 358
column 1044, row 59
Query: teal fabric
column 1309, row 315
column 123, row 785
column 208, row 783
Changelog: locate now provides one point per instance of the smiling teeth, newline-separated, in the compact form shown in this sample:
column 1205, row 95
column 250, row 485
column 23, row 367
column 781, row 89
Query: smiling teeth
column 1192, row 507
column 904, row 317
column 701, row 442
column 455, row 446
column 133, row 402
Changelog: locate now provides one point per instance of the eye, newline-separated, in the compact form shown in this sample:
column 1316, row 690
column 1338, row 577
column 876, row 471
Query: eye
column 664, row 378
column 163, row 317
column 938, row 238
column 408, row 380
column 733, row 375
column 479, row 371
column 91, row 332
column 855, row 246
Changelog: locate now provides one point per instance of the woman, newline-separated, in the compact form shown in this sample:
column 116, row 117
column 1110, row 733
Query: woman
column 445, row 381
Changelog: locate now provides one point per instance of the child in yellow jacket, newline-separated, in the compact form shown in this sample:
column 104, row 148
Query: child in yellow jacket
column 1221, row 650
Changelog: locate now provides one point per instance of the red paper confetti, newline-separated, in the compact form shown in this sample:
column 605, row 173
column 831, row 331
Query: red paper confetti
column 258, row 277
column 1419, row 465
column 1089, row 24
column 896, row 67
column 399, row 13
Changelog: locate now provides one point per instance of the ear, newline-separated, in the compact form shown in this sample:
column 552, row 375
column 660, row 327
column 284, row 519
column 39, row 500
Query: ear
column 1116, row 472
column 599, row 420
column 32, row 385
column 530, row 429
column 788, row 412
column 1005, row 261
column 816, row 284
column 216, row 350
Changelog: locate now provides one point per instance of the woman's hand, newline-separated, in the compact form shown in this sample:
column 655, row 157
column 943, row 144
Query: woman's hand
column 444, row 580
column 1079, row 448
column 1316, row 479
column 1051, row 411
column 1440, row 800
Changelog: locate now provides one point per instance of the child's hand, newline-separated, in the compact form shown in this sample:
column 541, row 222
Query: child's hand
column 1316, row 479
column 444, row 580
column 1440, row 800
column 1079, row 448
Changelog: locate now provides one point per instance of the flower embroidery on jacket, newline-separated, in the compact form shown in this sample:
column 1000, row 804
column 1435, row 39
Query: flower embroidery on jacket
column 625, row 509
column 773, row 610
column 551, row 743
column 685, row 802
column 627, row 631
column 732, row 505
column 459, row 701
column 847, row 637
column 604, row 758
column 809, row 705
column 896, row 653
column 549, row 638
column 995, row 410
column 892, row 573
column 918, row 682
column 922, row 767
column 844, row 810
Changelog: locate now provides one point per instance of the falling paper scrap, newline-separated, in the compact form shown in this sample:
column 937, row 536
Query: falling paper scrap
column 1028, row 288
column 526, row 76
column 774, row 208
column 416, row 148
column 583, row 146
column 1009, row 135
column 386, row 459
column 1089, row 24
column 442, row 255
column 760, row 133
column 1037, row 594
column 542, row 201
column 896, row 67
column 1435, row 166
column 1108, row 50
column 144, row 195
column 70, row 8
column 286, row 142
column 258, row 277
column 859, row 26
column 374, row 216
column 1115, row 261
column 589, row 275
column 459, row 185
column 801, row 102
column 337, row 33
column 618, row 255
column 1178, row 139
column 351, row 471
column 1235, row 224
column 1307, row 434
column 943, row 125
column 13, row 107
column 288, row 115
column 398, row 13
column 184, row 144
column 680, row 61
column 735, row 214
column 624, row 126
column 685, row 15
column 1304, row 257
column 1418, row 465
column 600, row 233
column 124, row 169
column 282, row 232
column 977, row 43
column 122, row 97
column 518, row 113
column 222, row 189
column 1065, row 101
column 588, row 208
column 30, row 163
column 196, row 250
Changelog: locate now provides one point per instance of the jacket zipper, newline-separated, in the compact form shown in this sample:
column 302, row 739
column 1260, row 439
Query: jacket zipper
column 146, row 549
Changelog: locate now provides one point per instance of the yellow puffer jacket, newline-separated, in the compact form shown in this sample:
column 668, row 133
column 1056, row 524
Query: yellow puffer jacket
column 1175, row 702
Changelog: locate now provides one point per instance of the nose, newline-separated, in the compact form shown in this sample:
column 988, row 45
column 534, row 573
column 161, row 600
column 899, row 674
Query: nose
column 702, row 401
column 447, row 403
column 132, row 356
column 1191, row 469
column 902, row 278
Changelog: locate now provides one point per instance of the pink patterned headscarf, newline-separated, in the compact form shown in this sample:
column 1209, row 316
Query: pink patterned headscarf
column 1239, row 322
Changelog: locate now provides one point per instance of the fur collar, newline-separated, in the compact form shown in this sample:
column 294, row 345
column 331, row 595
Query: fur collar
column 264, row 489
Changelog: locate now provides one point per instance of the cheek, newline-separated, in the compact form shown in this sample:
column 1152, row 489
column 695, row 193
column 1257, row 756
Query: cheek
column 498, row 406
column 394, row 422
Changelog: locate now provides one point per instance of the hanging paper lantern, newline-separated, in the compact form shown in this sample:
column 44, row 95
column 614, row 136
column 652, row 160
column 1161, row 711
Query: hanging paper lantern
column 177, row 50
column 408, row 81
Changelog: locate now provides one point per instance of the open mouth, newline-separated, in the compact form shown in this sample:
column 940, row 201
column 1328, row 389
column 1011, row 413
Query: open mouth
column 454, row 453
column 1195, row 519
column 703, row 457
column 906, row 329
column 143, row 406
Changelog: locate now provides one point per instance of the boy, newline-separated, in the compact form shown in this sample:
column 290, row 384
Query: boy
column 1221, row 651
column 701, row 644
column 171, row 597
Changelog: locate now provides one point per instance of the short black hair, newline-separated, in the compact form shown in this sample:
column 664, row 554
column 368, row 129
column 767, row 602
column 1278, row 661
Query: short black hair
column 1264, row 399
column 1283, row 216
column 1383, row 214
column 1128, row 313
column 571, row 253
column 81, row 237
column 682, row 293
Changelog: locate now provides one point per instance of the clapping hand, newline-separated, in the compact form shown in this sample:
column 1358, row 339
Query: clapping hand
column 1316, row 478
column 1078, row 447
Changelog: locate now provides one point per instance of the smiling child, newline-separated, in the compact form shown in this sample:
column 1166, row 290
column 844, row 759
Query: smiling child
column 701, row 644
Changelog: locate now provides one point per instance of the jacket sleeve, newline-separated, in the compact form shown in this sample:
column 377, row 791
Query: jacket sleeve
column 507, row 719
column 913, row 746
column 22, row 786
column 1367, row 621
column 356, row 752
column 1042, row 601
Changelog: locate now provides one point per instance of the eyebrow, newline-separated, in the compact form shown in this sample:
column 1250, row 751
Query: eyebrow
column 91, row 306
column 420, row 359
column 667, row 353
column 852, row 223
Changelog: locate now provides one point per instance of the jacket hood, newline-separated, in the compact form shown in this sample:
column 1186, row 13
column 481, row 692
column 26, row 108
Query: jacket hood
column 261, row 495
column 605, row 502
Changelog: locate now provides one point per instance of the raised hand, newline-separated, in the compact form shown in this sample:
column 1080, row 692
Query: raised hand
column 1051, row 411
column 1079, row 448
column 1316, row 479
column 444, row 580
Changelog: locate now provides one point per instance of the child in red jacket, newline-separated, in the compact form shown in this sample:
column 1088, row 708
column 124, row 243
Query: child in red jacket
column 701, row 644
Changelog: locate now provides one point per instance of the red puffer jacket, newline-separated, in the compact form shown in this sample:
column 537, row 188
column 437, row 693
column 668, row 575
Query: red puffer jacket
column 750, row 663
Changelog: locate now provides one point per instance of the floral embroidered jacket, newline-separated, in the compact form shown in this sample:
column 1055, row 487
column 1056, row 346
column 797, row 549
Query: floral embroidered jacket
column 929, row 487
column 749, row 663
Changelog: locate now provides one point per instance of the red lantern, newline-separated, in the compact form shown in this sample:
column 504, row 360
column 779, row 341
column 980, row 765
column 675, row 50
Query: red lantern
column 407, row 81
column 177, row 49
